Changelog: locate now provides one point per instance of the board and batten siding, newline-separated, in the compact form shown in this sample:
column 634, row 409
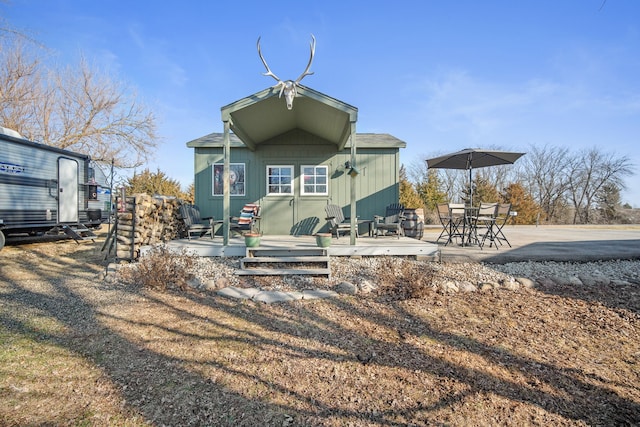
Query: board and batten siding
column 376, row 185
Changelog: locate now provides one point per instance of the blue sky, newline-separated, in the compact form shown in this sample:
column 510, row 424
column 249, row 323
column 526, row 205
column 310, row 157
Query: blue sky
column 440, row 75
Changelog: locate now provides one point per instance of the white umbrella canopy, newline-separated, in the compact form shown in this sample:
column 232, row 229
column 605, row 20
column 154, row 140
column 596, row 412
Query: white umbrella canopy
column 473, row 158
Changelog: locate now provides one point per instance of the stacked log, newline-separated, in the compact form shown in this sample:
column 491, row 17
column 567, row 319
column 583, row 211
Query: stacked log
column 146, row 220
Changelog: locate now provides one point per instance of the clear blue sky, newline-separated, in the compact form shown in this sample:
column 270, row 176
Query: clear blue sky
column 440, row 75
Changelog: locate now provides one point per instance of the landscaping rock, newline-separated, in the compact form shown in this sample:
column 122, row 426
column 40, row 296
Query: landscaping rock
column 618, row 282
column 484, row 287
column 238, row 293
column 346, row 288
column 318, row 293
column 525, row 282
column 366, row 287
column 511, row 285
column 270, row 297
column 467, row 287
column 450, row 287
column 587, row 280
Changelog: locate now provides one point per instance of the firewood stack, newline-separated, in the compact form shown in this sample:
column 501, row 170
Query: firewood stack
column 156, row 220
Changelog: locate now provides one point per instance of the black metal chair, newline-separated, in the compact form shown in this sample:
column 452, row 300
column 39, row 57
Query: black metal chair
column 445, row 220
column 486, row 220
column 503, row 214
column 459, row 222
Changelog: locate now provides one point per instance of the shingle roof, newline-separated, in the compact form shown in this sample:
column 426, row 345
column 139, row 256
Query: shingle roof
column 363, row 140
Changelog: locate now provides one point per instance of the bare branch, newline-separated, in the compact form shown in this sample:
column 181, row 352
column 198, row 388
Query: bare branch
column 74, row 108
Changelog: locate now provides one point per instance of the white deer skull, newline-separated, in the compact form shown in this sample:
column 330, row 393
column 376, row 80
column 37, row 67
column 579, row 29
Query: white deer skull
column 289, row 87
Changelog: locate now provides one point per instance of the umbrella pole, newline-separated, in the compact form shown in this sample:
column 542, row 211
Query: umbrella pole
column 470, row 188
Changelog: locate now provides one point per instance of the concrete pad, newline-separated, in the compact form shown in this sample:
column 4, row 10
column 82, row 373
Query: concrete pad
column 318, row 293
column 238, row 293
column 269, row 297
column 558, row 243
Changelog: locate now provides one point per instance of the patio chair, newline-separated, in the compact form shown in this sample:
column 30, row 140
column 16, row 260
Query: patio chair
column 485, row 219
column 391, row 222
column 246, row 222
column 459, row 222
column 503, row 213
column 337, row 221
column 450, row 222
column 194, row 224
column 445, row 220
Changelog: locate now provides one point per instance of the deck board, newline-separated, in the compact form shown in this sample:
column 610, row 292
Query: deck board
column 365, row 246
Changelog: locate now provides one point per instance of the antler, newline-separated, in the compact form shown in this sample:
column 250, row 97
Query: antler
column 269, row 72
column 306, row 71
column 289, row 87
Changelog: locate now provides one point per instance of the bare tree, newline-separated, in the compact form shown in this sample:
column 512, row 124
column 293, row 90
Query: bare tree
column 19, row 84
column 546, row 180
column 75, row 108
column 587, row 173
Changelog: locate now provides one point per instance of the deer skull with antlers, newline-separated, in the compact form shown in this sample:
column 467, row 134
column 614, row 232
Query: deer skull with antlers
column 289, row 87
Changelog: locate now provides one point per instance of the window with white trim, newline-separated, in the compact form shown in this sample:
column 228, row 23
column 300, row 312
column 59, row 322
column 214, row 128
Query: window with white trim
column 315, row 180
column 279, row 179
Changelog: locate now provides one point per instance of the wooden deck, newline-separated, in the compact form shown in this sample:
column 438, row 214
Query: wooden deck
column 365, row 246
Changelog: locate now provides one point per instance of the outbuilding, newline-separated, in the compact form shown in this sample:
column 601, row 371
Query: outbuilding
column 293, row 162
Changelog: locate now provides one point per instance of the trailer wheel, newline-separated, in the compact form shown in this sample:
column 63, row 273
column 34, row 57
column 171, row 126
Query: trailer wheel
column 2, row 240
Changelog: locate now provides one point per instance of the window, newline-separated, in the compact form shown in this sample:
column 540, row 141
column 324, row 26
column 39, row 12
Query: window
column 279, row 179
column 314, row 180
column 236, row 179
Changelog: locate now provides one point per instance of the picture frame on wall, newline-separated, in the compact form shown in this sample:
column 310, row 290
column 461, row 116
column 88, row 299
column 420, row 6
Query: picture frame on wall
column 236, row 179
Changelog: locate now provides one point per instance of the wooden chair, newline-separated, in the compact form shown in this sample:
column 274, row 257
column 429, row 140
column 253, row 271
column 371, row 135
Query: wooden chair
column 194, row 224
column 391, row 222
column 337, row 221
column 246, row 222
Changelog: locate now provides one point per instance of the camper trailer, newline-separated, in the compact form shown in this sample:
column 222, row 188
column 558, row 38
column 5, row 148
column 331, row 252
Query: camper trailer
column 44, row 189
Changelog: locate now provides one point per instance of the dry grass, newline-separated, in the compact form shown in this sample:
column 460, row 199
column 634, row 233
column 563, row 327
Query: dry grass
column 75, row 350
column 161, row 269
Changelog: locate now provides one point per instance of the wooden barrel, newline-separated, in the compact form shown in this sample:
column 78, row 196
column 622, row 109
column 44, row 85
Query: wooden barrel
column 412, row 225
column 415, row 232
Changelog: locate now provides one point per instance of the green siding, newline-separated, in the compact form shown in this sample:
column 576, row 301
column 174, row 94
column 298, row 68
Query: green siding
column 376, row 185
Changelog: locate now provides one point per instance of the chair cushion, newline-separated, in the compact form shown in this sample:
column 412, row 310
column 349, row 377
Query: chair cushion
column 245, row 218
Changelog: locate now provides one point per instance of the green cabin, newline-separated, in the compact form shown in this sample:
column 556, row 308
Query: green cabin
column 293, row 163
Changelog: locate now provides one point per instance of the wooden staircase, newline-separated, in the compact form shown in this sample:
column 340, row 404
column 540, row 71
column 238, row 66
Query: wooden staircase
column 285, row 262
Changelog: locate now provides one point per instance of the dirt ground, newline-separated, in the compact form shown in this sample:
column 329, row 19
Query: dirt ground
column 77, row 350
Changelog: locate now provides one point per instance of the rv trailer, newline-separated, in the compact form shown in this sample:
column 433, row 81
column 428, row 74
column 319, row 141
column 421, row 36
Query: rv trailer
column 45, row 189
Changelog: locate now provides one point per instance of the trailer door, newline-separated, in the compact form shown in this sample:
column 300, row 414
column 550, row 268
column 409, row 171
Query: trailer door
column 67, row 190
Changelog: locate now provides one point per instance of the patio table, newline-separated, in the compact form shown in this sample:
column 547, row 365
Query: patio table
column 368, row 223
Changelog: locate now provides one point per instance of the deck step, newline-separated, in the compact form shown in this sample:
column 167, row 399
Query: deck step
column 284, row 272
column 283, row 252
column 285, row 262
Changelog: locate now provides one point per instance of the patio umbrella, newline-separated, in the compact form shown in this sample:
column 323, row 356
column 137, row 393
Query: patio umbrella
column 473, row 158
